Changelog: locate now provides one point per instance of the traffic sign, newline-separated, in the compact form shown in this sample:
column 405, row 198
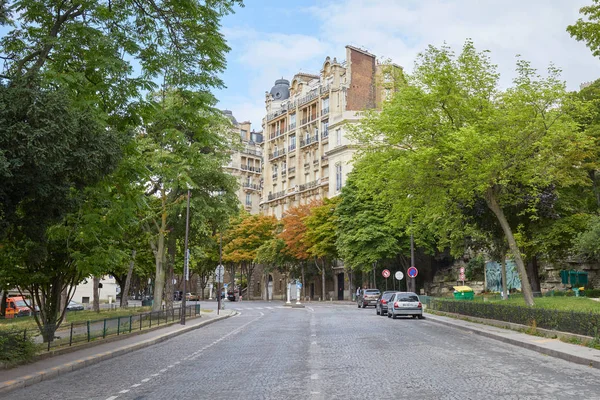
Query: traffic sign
column 462, row 270
column 385, row 273
column 399, row 275
column 219, row 273
column 461, row 277
column 412, row 272
column 299, row 285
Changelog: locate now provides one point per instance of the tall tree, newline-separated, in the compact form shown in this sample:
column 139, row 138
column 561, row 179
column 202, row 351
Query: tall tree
column 321, row 235
column 461, row 138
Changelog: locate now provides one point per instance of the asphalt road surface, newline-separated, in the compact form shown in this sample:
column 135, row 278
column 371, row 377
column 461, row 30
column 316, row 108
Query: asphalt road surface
column 323, row 352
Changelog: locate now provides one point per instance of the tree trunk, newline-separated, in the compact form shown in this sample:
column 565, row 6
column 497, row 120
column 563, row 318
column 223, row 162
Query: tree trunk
column 96, row 294
column 503, row 277
column 493, row 205
column 125, row 291
column 323, row 280
column 170, row 271
column 533, row 272
column 4, row 295
column 160, row 258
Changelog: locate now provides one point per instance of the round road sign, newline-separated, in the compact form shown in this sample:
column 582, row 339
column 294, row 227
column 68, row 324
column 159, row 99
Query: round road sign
column 399, row 275
column 385, row 273
column 412, row 272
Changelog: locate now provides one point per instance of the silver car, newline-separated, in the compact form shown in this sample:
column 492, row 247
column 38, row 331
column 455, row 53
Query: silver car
column 405, row 303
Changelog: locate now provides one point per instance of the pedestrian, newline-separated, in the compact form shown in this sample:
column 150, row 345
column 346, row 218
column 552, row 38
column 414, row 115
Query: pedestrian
column 357, row 292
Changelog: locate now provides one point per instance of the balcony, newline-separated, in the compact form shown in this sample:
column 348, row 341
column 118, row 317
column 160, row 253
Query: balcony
column 309, row 185
column 325, row 134
column 274, row 175
column 278, row 132
column 316, row 162
column 292, row 126
column 251, row 168
column 276, row 114
column 325, row 111
column 292, row 147
column 276, row 195
column 291, row 171
column 310, row 96
column 250, row 186
column 309, row 140
column 283, row 173
column 277, row 154
column 309, row 119
column 306, row 165
column 324, row 160
column 252, row 152
column 325, row 89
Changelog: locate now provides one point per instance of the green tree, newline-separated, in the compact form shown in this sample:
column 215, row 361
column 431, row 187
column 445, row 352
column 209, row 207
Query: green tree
column 460, row 138
column 321, row 236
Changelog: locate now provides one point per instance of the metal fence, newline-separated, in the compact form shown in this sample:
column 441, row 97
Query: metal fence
column 86, row 331
column 581, row 323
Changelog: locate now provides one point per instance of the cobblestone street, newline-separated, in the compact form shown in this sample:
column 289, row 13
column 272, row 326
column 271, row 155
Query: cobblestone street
column 324, row 351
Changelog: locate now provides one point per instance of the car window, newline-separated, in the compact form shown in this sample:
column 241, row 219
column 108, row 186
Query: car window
column 371, row 292
column 408, row 297
column 21, row 303
column 388, row 296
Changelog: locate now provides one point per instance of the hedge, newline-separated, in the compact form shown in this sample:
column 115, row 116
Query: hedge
column 16, row 347
column 581, row 323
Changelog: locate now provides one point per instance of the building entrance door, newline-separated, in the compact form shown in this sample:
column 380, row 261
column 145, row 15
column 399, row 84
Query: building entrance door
column 340, row 294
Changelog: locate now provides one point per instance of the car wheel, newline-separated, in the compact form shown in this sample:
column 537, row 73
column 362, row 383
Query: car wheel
column 414, row 316
column 393, row 316
column 389, row 315
column 364, row 305
column 377, row 311
column 358, row 305
column 421, row 316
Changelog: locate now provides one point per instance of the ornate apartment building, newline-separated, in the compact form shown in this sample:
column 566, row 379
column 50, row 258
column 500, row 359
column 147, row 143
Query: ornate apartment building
column 308, row 153
column 247, row 164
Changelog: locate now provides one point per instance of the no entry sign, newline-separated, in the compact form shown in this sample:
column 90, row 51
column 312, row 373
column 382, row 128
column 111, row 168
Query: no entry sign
column 385, row 273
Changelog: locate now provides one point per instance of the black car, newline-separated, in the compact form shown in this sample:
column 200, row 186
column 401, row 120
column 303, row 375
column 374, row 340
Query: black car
column 75, row 306
column 382, row 301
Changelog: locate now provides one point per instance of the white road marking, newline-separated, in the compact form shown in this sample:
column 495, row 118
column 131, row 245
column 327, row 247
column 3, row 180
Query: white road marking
column 314, row 343
column 163, row 370
column 155, row 375
column 314, row 376
column 145, row 380
column 124, row 391
column 136, row 385
column 313, row 335
column 111, row 397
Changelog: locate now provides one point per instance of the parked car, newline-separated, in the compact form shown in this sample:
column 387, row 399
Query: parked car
column 75, row 306
column 192, row 297
column 382, row 302
column 178, row 295
column 405, row 303
column 18, row 306
column 368, row 297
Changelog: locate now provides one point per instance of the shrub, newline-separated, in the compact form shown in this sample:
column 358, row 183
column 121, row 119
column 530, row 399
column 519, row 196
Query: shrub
column 16, row 347
column 595, row 293
column 475, row 269
column 581, row 323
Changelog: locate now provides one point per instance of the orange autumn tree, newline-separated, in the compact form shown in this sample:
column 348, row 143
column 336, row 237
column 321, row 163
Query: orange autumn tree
column 242, row 240
column 293, row 234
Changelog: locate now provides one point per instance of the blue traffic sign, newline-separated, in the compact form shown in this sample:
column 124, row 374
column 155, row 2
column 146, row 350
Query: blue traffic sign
column 412, row 272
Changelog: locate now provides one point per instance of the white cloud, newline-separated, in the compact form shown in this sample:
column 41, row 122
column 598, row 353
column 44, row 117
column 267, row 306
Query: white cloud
column 399, row 29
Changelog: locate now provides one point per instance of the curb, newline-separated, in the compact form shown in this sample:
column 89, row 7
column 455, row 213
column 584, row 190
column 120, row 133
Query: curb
column 530, row 346
column 53, row 372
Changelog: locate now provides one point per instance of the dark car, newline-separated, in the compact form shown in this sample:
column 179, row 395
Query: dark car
column 178, row 295
column 75, row 306
column 368, row 297
column 382, row 302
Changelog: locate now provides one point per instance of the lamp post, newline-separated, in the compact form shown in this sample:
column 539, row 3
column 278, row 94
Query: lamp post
column 186, row 259
column 412, row 256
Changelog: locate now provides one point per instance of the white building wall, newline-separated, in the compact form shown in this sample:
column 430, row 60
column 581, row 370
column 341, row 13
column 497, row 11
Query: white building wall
column 84, row 292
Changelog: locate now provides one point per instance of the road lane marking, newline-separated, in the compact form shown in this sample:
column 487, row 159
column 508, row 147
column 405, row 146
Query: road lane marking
column 136, row 385
column 124, row 391
column 314, row 376
column 145, row 380
column 111, row 397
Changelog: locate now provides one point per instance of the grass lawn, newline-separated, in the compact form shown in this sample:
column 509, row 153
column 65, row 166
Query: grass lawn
column 73, row 316
column 581, row 304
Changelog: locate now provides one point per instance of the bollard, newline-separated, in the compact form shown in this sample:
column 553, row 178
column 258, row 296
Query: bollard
column 104, row 329
column 88, row 330
column 71, row 335
column 118, row 326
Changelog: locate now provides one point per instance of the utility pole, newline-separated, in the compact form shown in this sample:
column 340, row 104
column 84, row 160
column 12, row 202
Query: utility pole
column 186, row 260
column 220, row 263
column 412, row 256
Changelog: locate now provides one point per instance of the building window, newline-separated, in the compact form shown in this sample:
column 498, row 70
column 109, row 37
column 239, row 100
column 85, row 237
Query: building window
column 338, row 137
column 326, row 103
column 338, row 177
column 293, row 120
column 325, row 129
column 248, row 199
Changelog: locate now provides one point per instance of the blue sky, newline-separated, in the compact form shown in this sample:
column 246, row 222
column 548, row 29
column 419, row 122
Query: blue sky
column 271, row 39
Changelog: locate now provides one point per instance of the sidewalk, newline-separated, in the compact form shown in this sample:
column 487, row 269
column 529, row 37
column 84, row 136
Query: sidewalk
column 551, row 347
column 26, row 375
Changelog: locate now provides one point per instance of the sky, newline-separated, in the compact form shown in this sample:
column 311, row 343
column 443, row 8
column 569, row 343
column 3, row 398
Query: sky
column 273, row 39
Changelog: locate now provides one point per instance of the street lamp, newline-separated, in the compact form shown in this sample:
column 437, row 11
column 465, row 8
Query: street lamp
column 186, row 259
